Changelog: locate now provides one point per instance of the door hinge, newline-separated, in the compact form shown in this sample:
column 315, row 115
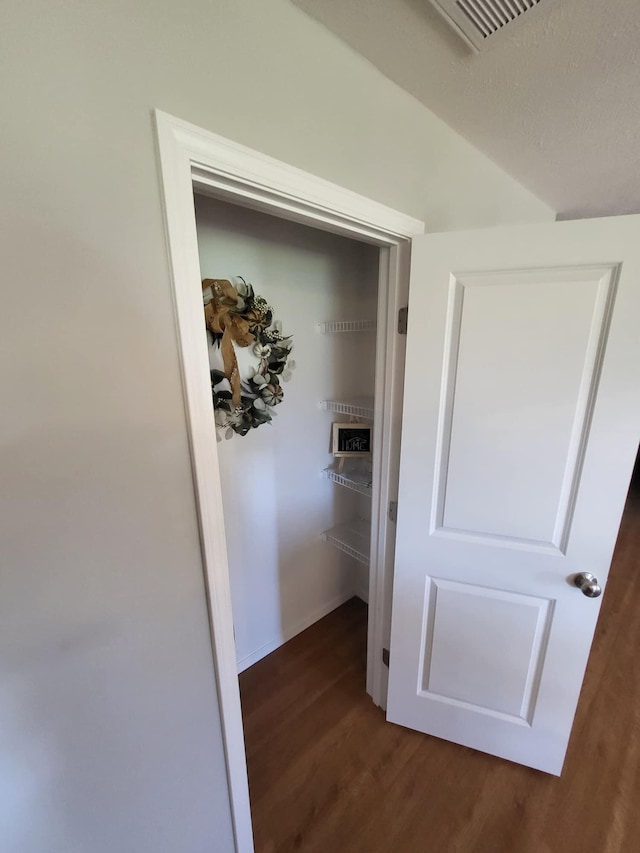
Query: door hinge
column 393, row 511
column 385, row 657
column 403, row 318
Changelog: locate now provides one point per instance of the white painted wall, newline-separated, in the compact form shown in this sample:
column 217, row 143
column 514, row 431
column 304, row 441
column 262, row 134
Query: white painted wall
column 109, row 727
column 283, row 575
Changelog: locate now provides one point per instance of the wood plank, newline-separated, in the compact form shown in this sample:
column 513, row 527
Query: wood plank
column 327, row 773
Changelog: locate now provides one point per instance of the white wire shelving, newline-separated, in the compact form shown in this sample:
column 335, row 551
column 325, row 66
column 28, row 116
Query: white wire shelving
column 357, row 481
column 331, row 326
column 360, row 407
column 353, row 538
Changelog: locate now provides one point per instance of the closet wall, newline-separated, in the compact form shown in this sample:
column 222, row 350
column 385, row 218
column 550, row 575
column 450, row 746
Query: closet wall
column 277, row 502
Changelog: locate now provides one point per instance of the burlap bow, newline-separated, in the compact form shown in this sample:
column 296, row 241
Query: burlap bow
column 222, row 318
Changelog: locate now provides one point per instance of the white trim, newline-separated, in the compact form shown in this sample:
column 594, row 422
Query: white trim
column 393, row 294
column 293, row 630
column 265, row 182
column 188, row 157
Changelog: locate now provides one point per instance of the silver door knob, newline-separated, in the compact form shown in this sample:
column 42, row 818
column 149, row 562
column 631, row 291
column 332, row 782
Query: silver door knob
column 588, row 584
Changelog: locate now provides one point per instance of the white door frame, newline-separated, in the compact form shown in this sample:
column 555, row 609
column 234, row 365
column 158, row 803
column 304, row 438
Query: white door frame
column 191, row 158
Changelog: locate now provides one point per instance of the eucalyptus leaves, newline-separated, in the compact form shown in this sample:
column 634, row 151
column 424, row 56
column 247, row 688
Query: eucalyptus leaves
column 236, row 317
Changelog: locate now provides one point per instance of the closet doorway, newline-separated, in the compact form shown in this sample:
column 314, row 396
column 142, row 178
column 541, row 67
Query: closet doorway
column 218, row 171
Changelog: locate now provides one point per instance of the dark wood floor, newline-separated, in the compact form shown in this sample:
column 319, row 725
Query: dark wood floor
column 327, row 773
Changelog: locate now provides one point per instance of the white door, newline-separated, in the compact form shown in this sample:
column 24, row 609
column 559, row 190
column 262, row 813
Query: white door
column 520, row 428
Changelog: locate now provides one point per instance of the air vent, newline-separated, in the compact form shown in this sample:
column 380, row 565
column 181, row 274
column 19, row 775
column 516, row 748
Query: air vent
column 478, row 21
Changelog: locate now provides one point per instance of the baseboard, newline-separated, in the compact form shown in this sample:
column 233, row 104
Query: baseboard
column 290, row 632
column 363, row 594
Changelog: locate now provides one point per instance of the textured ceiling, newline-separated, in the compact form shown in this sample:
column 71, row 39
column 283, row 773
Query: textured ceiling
column 555, row 102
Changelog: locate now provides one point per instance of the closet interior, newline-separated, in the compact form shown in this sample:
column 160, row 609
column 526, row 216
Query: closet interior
column 297, row 516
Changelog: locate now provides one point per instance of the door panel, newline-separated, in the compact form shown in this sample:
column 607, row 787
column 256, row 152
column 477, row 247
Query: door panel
column 519, row 372
column 483, row 648
column 520, row 428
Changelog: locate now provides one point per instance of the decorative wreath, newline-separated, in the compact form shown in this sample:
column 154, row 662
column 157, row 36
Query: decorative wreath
column 236, row 317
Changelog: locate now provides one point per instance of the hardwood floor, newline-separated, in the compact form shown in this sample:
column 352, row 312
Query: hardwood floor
column 327, row 773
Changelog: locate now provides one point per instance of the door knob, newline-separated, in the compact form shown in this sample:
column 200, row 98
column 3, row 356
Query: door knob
column 588, row 584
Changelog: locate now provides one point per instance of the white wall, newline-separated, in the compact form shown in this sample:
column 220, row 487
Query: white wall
column 109, row 733
column 283, row 575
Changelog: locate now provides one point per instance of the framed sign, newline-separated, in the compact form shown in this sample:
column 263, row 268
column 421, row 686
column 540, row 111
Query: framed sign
column 351, row 440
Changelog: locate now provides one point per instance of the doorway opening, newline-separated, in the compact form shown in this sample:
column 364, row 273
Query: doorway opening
column 297, row 520
column 194, row 160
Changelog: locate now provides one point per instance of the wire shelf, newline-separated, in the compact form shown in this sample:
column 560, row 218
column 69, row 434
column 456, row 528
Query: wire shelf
column 353, row 538
column 345, row 326
column 355, row 480
column 361, row 407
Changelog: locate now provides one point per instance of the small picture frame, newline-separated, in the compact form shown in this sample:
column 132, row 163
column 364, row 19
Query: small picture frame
column 351, row 440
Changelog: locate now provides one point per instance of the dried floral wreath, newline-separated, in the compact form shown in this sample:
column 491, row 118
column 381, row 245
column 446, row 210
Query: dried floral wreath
column 235, row 316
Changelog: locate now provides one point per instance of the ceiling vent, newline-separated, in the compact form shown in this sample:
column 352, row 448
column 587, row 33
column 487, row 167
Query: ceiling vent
column 479, row 21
